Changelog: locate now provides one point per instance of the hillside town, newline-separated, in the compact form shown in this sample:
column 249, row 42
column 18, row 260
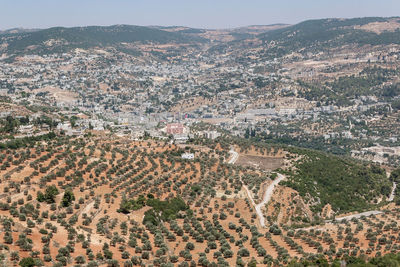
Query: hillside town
column 171, row 146
column 103, row 90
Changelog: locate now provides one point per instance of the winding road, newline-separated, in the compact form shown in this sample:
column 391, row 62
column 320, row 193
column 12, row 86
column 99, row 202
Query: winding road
column 267, row 197
column 267, row 194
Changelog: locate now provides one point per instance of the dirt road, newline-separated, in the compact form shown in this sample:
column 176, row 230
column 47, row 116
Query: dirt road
column 391, row 197
column 267, row 194
column 267, row 197
column 359, row 215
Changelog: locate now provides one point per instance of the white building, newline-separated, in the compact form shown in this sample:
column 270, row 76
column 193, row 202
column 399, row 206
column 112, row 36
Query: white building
column 187, row 156
column 26, row 129
column 66, row 126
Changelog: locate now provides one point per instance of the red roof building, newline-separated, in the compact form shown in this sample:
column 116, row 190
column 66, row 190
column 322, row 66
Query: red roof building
column 175, row 128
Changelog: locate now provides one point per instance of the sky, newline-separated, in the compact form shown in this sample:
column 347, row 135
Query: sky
column 193, row 13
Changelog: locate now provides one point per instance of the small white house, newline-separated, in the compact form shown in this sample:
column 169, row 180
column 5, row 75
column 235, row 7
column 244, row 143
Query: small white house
column 187, row 156
column 26, row 129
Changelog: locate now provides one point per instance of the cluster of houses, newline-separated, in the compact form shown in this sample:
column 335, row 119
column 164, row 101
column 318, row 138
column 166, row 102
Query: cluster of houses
column 138, row 98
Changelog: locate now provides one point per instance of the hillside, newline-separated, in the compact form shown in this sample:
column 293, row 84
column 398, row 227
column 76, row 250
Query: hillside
column 106, row 200
column 61, row 39
column 315, row 35
column 344, row 184
column 18, row 30
column 280, row 39
column 320, row 179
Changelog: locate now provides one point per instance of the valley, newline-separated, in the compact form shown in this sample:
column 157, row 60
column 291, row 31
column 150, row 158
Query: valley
column 266, row 145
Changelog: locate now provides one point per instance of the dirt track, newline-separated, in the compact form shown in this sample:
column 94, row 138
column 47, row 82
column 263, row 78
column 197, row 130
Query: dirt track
column 267, row 194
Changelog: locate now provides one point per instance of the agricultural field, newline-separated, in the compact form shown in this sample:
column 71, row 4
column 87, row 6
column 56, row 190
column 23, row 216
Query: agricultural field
column 111, row 201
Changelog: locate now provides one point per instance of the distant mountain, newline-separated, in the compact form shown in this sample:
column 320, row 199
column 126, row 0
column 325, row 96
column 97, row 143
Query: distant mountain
column 329, row 33
column 61, row 39
column 278, row 39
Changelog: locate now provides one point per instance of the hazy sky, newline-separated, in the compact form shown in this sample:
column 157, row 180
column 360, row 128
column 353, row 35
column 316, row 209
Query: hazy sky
column 194, row 13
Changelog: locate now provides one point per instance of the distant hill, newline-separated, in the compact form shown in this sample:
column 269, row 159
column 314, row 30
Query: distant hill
column 279, row 39
column 249, row 32
column 18, row 30
column 260, row 28
column 61, row 39
column 329, row 33
column 180, row 29
column 224, row 35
